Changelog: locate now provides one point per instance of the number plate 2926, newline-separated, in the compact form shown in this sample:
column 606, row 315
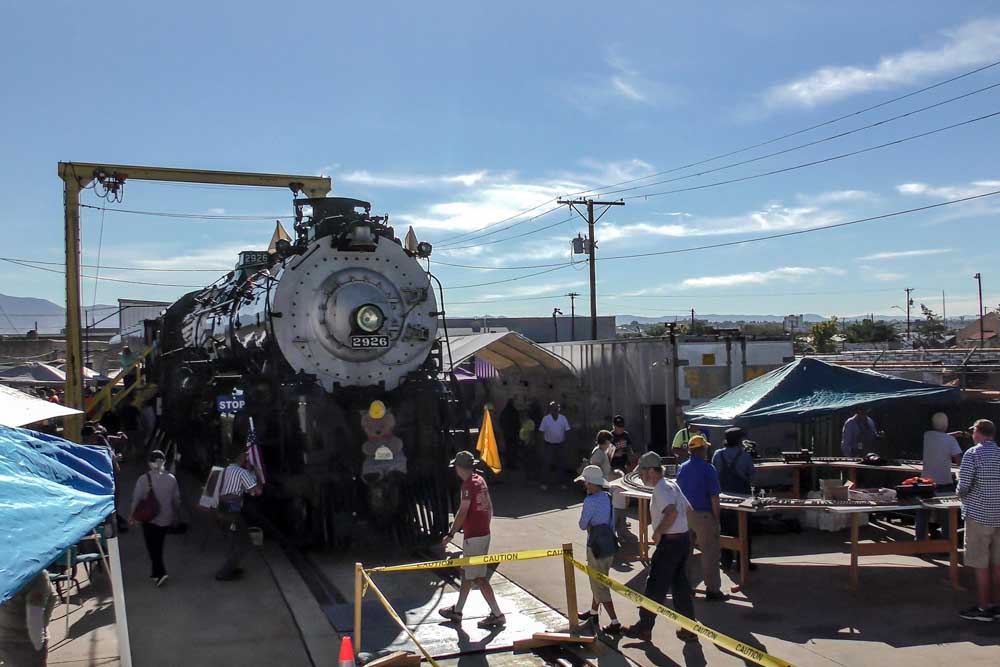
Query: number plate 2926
column 369, row 342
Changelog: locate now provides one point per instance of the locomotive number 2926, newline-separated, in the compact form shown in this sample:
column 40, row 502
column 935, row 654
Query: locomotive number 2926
column 368, row 342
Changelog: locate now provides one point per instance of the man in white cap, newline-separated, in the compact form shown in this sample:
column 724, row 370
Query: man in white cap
column 941, row 451
column 475, row 512
column 668, row 569
column 597, row 518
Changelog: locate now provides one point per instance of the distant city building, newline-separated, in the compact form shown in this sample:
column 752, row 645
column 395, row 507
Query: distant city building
column 795, row 324
column 538, row 329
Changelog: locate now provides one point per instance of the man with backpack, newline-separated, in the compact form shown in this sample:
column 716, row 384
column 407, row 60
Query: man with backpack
column 597, row 518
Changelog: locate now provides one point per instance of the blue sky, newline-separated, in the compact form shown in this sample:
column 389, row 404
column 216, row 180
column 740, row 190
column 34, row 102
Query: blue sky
column 451, row 117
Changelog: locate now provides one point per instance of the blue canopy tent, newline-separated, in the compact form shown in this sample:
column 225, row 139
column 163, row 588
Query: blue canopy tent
column 808, row 388
column 52, row 494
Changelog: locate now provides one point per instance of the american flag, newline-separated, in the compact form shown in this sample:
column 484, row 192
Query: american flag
column 253, row 452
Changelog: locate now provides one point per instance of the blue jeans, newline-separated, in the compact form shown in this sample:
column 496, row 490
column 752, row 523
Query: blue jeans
column 668, row 572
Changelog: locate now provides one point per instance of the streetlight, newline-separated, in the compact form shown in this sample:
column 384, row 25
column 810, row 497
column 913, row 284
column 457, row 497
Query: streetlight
column 982, row 332
column 555, row 323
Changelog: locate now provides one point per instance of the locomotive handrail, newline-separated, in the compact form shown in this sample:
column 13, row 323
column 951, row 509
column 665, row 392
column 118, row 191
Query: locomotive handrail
column 107, row 399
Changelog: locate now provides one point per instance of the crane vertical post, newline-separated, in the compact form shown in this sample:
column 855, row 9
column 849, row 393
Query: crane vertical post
column 74, row 350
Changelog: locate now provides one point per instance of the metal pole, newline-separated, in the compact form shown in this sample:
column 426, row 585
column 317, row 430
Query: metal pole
column 572, row 310
column 555, row 324
column 944, row 312
column 593, row 270
column 73, row 367
column 908, row 302
column 982, row 331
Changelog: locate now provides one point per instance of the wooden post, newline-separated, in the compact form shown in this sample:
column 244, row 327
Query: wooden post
column 644, row 529
column 744, row 532
column 357, row 606
column 568, row 569
column 855, row 548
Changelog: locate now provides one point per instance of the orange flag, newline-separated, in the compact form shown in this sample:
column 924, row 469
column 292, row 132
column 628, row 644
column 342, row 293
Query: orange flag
column 487, row 444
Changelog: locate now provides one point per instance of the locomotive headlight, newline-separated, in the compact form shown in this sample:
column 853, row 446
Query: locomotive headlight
column 369, row 318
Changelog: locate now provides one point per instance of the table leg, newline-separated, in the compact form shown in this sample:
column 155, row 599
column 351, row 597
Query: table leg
column 644, row 529
column 953, row 548
column 744, row 535
column 855, row 541
column 852, row 474
column 796, row 483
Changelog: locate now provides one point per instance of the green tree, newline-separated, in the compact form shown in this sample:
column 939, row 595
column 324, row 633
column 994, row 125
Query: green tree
column 658, row 329
column 822, row 336
column 869, row 331
column 931, row 330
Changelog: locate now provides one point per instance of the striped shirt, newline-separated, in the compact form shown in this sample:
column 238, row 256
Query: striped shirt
column 979, row 484
column 236, row 481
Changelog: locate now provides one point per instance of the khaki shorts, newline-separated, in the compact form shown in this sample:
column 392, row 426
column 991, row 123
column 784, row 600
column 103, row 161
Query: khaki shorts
column 475, row 546
column 603, row 565
column 982, row 545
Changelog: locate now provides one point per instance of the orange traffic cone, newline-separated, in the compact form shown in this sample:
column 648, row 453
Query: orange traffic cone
column 346, row 653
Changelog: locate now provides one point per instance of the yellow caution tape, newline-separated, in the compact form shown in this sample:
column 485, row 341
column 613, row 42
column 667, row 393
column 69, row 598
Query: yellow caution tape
column 739, row 648
column 488, row 559
column 399, row 621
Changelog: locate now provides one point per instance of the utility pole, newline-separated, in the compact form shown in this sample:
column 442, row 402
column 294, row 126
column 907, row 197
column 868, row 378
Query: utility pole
column 692, row 321
column 572, row 314
column 909, row 302
column 555, row 323
column 982, row 331
column 944, row 312
column 591, row 247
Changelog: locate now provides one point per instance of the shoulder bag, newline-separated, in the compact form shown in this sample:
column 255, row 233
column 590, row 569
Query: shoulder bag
column 149, row 507
column 601, row 538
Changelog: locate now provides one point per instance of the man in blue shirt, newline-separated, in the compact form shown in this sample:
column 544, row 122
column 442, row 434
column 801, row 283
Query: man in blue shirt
column 699, row 481
column 735, row 468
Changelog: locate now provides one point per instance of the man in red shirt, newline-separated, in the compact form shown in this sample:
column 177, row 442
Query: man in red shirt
column 473, row 518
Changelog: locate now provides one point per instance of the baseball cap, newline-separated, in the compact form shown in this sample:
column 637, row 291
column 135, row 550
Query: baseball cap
column 592, row 475
column 697, row 442
column 650, row 460
column 985, row 426
column 376, row 410
column 618, row 420
column 156, row 455
column 463, row 459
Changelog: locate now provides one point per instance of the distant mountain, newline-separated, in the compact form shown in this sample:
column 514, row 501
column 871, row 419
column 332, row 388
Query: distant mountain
column 19, row 314
column 628, row 319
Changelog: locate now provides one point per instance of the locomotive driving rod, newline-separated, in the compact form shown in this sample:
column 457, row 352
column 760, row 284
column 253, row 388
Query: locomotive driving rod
column 79, row 175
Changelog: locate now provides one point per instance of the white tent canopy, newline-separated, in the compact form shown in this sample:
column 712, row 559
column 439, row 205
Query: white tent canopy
column 18, row 408
column 503, row 351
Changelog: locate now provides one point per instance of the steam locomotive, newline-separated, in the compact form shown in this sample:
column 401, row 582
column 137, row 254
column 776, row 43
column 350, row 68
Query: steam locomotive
column 329, row 340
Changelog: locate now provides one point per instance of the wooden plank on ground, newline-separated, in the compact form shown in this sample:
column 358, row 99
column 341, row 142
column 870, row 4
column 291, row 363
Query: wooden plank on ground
column 563, row 638
column 396, row 659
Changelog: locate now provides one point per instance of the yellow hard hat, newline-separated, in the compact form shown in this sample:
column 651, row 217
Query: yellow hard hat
column 376, row 410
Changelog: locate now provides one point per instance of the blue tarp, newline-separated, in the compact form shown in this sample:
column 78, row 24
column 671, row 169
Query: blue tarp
column 52, row 494
column 808, row 388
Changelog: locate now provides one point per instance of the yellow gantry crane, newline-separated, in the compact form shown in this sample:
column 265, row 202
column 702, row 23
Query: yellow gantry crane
column 78, row 176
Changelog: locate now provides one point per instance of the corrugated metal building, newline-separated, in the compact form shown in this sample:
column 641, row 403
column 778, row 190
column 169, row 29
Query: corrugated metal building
column 132, row 314
column 639, row 378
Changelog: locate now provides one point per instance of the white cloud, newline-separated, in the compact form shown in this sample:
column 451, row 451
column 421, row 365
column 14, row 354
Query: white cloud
column 535, row 290
column 621, row 82
column 886, row 276
column 786, row 273
column 775, row 217
column 900, row 254
column 217, row 211
column 949, row 191
column 410, row 181
column 836, row 197
column 222, row 258
column 971, row 44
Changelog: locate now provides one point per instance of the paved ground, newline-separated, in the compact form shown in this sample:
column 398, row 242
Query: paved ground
column 91, row 638
column 195, row 620
column 798, row 608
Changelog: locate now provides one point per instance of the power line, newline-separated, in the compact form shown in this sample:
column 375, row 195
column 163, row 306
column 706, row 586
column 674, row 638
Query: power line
column 193, row 216
column 113, row 280
column 773, row 172
column 738, row 151
column 509, row 280
column 813, row 163
column 831, row 137
column 756, row 239
column 113, row 268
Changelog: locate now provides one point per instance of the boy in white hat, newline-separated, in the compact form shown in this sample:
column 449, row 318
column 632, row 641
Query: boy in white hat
column 597, row 517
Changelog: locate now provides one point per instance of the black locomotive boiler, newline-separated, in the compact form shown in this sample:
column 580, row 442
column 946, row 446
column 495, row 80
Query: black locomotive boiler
column 331, row 342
